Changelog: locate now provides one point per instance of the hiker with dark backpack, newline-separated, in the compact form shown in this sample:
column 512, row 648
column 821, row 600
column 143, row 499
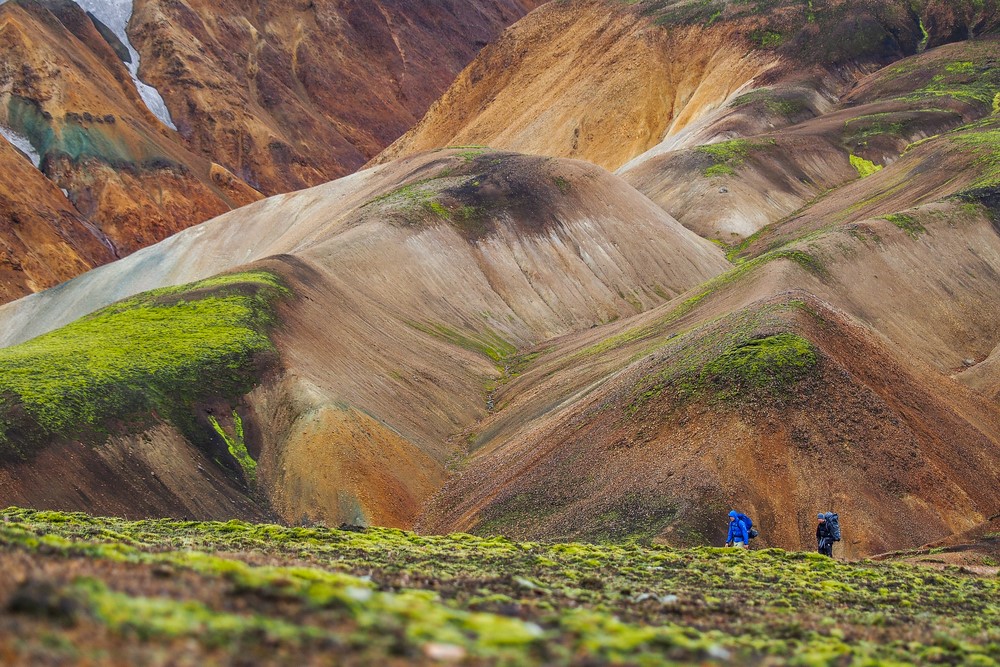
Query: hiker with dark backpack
column 827, row 532
column 741, row 530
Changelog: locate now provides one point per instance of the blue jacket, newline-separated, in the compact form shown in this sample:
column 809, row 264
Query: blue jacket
column 738, row 531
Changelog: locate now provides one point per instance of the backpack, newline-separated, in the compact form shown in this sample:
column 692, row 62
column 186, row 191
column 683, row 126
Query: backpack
column 833, row 522
column 748, row 522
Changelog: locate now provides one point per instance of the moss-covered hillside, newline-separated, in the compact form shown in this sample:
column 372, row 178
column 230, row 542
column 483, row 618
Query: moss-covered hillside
column 77, row 588
column 160, row 351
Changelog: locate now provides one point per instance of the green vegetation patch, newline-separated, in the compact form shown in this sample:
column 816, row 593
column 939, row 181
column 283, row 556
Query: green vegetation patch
column 728, row 155
column 490, row 344
column 237, row 445
column 742, row 357
column 742, row 271
column 767, row 39
column 771, row 362
column 161, row 350
column 982, row 141
column 866, row 127
column 785, row 105
column 907, row 223
column 382, row 596
column 864, row 167
column 971, row 82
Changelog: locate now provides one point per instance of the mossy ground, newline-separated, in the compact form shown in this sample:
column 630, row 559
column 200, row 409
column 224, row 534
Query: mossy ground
column 162, row 350
column 741, row 358
column 864, row 167
column 380, row 596
column 727, row 156
column 907, row 223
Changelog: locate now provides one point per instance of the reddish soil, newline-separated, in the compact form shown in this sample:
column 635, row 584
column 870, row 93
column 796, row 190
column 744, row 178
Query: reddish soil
column 157, row 473
column 288, row 96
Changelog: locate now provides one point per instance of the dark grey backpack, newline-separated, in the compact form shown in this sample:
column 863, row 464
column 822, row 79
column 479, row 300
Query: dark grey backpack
column 833, row 522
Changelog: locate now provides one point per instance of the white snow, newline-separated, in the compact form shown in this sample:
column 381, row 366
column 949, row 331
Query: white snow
column 115, row 14
column 21, row 143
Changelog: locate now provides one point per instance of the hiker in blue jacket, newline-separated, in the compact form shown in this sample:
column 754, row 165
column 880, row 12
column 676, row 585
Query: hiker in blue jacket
column 739, row 535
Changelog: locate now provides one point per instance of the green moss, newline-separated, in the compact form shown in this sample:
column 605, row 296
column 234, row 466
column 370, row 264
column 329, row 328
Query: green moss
column 489, row 343
column 160, row 350
column 728, row 155
column 965, row 81
column 721, row 169
column 767, row 39
column 982, row 141
column 864, row 167
column 470, row 155
column 770, row 362
column 784, row 104
column 147, row 618
column 436, row 208
column 741, row 271
column 862, row 128
column 907, row 223
column 736, row 359
column 237, row 446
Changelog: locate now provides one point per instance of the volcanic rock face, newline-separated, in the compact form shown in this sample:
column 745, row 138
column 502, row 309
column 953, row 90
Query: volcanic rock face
column 45, row 240
column 267, row 98
column 295, row 94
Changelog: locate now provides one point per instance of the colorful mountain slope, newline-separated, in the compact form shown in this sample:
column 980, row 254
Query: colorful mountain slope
column 479, row 340
column 753, row 393
column 730, row 189
column 419, row 279
column 293, row 95
column 607, row 81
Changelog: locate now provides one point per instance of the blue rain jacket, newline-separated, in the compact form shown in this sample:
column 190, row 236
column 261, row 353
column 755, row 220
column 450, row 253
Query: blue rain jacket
column 738, row 531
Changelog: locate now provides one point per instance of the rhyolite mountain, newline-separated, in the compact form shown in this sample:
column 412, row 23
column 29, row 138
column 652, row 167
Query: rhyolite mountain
column 783, row 299
column 144, row 118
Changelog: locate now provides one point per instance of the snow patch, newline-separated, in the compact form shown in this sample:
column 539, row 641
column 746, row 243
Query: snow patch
column 21, row 143
column 115, row 14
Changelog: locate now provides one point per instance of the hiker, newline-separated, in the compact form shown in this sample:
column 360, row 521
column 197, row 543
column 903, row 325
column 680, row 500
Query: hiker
column 827, row 532
column 739, row 532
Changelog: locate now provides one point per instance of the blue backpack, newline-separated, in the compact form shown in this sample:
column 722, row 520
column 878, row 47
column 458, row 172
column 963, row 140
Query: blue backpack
column 748, row 522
